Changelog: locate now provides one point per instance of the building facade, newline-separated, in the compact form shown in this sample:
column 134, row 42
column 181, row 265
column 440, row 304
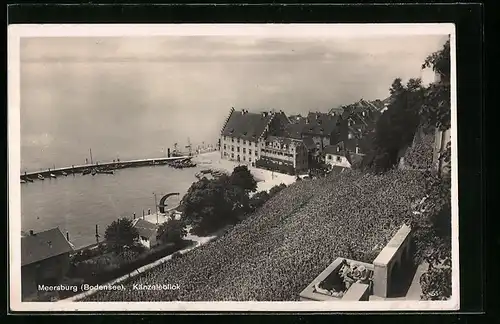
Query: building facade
column 244, row 132
column 44, row 260
column 343, row 154
column 285, row 155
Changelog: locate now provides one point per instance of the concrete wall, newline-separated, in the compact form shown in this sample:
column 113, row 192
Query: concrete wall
column 393, row 255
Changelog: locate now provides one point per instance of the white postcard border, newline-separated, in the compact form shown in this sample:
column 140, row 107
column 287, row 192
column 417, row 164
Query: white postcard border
column 16, row 32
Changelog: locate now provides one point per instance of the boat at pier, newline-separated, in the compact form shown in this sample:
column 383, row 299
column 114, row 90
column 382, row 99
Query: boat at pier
column 94, row 172
column 23, row 181
column 105, row 171
column 86, row 171
column 41, row 177
column 64, row 173
column 28, row 179
column 53, row 175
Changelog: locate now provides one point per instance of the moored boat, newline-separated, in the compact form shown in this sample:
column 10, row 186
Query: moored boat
column 64, row 173
column 41, row 177
column 53, row 175
column 106, row 171
column 28, row 179
column 23, row 181
column 86, row 171
column 94, row 172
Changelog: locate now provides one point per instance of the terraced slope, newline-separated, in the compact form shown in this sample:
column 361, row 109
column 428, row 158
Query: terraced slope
column 278, row 250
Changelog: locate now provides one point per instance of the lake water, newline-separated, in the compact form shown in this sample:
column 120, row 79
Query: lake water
column 77, row 203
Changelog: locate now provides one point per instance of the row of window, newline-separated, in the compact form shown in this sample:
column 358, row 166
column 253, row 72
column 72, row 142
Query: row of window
column 337, row 158
column 238, row 149
column 238, row 157
column 245, row 142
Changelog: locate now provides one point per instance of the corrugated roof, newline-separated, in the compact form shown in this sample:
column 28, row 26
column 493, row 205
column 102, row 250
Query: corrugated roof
column 43, row 245
column 247, row 125
column 145, row 228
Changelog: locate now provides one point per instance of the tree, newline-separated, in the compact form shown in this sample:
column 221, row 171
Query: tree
column 172, row 231
column 276, row 189
column 259, row 199
column 121, row 232
column 396, row 127
column 242, row 178
column 211, row 204
column 435, row 110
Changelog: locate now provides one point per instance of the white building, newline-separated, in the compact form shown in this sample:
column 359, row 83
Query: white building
column 243, row 132
column 343, row 154
column 147, row 232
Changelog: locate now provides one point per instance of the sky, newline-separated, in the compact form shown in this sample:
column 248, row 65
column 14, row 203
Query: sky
column 111, row 93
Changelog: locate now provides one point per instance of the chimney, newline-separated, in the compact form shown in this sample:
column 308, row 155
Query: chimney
column 338, row 148
column 32, row 233
column 49, row 243
column 357, row 149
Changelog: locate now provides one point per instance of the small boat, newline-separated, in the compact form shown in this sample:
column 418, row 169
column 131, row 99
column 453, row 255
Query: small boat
column 64, row 174
column 94, row 172
column 106, row 171
column 29, row 179
column 84, row 172
column 41, row 177
column 53, row 175
column 23, row 181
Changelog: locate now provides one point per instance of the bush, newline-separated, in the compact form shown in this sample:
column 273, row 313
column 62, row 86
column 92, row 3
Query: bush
column 276, row 189
column 172, row 231
column 176, row 255
column 121, row 233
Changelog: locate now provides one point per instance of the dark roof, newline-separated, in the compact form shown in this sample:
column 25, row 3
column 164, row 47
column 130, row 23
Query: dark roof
column 43, row 245
column 309, row 143
column 247, row 125
column 284, row 140
column 320, row 124
column 294, row 130
column 344, row 147
column 145, row 228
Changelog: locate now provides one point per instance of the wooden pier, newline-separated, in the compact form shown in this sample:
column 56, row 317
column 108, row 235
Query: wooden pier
column 105, row 165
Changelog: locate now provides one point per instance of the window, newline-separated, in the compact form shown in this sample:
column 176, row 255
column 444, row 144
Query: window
column 238, row 140
column 224, row 137
column 232, row 148
column 232, row 139
column 224, row 146
column 244, row 158
column 338, row 159
column 256, row 153
column 249, row 159
column 238, row 149
column 250, row 151
column 232, row 155
column 245, row 142
column 244, row 150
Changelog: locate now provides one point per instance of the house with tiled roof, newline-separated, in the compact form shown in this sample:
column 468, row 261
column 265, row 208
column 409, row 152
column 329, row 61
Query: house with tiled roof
column 322, row 128
column 244, row 131
column 345, row 153
column 147, row 232
column 44, row 260
column 283, row 154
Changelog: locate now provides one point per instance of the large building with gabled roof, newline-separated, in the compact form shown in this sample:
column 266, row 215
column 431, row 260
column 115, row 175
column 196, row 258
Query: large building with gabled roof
column 244, row 131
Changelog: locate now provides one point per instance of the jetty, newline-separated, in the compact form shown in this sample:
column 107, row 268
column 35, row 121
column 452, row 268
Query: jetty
column 83, row 168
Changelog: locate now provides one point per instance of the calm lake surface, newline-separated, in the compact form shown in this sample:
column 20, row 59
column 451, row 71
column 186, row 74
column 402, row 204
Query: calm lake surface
column 77, row 203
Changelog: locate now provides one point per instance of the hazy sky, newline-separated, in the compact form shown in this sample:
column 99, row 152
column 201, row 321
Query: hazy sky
column 108, row 91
